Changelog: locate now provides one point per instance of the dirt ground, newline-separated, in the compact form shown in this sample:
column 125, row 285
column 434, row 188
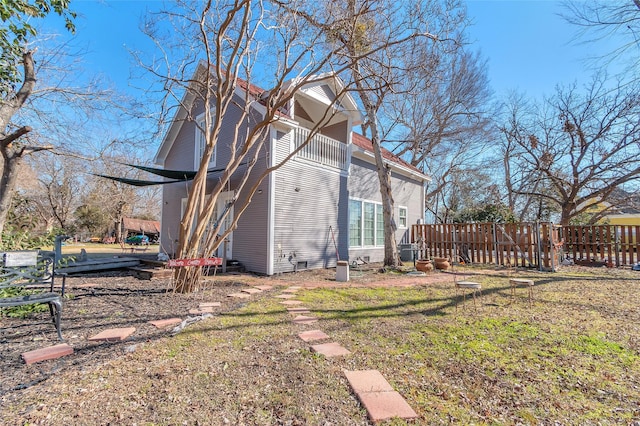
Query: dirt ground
column 100, row 301
column 246, row 368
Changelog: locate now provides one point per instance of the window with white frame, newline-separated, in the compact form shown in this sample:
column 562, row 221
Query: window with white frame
column 402, row 217
column 379, row 226
column 355, row 223
column 200, row 143
column 366, row 228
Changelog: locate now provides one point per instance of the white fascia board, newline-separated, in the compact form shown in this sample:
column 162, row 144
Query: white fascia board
column 285, row 124
column 337, row 85
column 399, row 168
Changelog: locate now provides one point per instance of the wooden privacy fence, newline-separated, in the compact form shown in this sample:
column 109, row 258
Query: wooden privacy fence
column 537, row 245
column 522, row 244
column 612, row 245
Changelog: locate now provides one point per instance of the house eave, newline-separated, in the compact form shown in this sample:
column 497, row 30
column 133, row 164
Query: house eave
column 347, row 103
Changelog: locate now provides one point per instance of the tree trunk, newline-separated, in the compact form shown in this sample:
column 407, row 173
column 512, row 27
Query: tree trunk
column 384, row 175
column 187, row 279
column 11, row 158
column 384, row 178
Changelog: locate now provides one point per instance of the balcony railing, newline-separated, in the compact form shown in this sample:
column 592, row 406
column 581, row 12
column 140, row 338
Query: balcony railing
column 321, row 149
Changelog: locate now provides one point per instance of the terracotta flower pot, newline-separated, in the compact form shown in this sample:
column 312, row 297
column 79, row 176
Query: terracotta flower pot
column 424, row 265
column 441, row 263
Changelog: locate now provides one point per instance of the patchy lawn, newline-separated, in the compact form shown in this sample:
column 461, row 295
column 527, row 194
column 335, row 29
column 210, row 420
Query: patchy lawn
column 573, row 357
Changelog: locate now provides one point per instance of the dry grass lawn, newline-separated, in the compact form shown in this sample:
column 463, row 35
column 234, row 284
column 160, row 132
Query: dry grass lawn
column 572, row 358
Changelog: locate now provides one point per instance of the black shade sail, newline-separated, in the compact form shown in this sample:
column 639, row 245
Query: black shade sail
column 175, row 175
column 138, row 182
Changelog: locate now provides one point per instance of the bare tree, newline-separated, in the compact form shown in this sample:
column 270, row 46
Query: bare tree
column 444, row 121
column 57, row 190
column 58, row 113
column 607, row 20
column 575, row 150
column 377, row 39
column 12, row 147
column 17, row 86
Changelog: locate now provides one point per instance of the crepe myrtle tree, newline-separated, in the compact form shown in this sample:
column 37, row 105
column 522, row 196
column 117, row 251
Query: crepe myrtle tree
column 211, row 52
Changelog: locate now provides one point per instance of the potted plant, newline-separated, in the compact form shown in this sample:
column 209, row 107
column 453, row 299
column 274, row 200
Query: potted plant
column 441, row 263
column 424, row 265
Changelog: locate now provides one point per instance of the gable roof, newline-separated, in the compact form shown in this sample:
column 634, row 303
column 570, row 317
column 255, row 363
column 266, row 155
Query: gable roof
column 366, row 147
column 242, row 87
column 347, row 104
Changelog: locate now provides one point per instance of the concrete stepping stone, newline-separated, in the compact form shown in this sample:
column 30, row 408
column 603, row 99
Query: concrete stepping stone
column 251, row 290
column 293, row 289
column 113, row 334
column 285, row 296
column 301, row 319
column 210, row 305
column 386, row 405
column 298, row 310
column 311, row 335
column 200, row 311
column 367, row 381
column 43, row 354
column 291, row 302
column 330, row 349
column 239, row 295
column 378, row 397
column 165, row 322
column 263, row 287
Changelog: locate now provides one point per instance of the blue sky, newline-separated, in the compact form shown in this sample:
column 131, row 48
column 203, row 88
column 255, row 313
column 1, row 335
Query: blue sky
column 529, row 48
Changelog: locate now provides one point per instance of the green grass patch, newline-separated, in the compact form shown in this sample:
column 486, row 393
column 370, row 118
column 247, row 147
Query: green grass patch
column 506, row 355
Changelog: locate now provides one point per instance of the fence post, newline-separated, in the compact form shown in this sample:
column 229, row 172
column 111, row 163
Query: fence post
column 495, row 243
column 552, row 248
column 615, row 232
column 539, row 246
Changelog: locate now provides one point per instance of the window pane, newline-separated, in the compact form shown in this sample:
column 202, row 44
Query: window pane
column 379, row 226
column 355, row 223
column 200, row 145
column 369, row 224
column 403, row 217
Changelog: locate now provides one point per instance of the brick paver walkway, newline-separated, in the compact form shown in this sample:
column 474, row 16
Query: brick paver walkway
column 376, row 395
column 113, row 334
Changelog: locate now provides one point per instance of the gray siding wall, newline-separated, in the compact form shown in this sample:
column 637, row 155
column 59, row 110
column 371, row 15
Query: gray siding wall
column 250, row 238
column 364, row 185
column 308, row 200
